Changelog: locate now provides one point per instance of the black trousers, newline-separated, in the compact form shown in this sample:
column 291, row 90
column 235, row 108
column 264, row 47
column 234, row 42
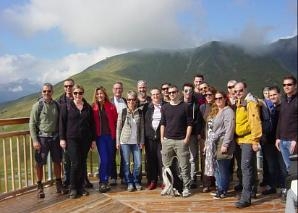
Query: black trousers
column 77, row 150
column 153, row 159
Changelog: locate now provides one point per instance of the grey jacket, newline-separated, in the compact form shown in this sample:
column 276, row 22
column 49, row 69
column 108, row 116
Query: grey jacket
column 224, row 126
column 123, row 131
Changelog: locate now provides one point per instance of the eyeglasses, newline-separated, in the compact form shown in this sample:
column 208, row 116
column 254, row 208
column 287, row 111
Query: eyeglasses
column 46, row 91
column 131, row 99
column 239, row 91
column 165, row 88
column 172, row 92
column 68, row 86
column 289, row 85
column 231, row 87
column 78, row 93
column 187, row 91
column 218, row 98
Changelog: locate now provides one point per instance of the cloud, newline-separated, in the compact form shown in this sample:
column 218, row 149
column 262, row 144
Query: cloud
column 124, row 24
column 17, row 67
column 15, row 89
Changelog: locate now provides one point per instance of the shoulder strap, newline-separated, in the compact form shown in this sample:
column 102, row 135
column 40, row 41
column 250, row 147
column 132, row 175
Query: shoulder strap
column 40, row 107
column 124, row 113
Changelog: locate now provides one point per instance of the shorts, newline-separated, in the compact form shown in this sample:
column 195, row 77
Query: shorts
column 48, row 144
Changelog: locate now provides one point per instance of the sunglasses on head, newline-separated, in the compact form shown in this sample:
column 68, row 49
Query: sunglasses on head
column 78, row 93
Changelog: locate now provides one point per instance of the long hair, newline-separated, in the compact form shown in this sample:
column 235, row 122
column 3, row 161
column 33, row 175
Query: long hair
column 101, row 88
column 214, row 108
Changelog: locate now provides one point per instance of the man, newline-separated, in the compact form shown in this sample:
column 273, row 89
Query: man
column 231, row 94
column 248, row 133
column 198, row 80
column 203, row 87
column 175, row 131
column 276, row 167
column 142, row 93
column 120, row 103
column 164, row 91
column 43, row 125
column 152, row 139
column 286, row 134
column 196, row 131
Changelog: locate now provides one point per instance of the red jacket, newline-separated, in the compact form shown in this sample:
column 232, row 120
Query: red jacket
column 112, row 115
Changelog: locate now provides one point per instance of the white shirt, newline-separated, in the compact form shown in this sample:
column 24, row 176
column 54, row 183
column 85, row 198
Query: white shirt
column 120, row 104
column 156, row 116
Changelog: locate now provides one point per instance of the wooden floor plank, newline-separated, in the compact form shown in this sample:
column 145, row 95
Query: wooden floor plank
column 122, row 201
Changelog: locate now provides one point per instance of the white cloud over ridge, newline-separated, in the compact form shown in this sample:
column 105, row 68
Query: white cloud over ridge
column 18, row 67
column 123, row 24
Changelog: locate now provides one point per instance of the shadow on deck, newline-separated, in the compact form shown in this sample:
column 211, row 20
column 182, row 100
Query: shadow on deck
column 119, row 200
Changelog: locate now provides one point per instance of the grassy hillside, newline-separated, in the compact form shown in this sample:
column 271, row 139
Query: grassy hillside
column 219, row 63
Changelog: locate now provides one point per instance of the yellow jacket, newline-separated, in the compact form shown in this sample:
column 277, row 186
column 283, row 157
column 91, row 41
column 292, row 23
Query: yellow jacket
column 248, row 122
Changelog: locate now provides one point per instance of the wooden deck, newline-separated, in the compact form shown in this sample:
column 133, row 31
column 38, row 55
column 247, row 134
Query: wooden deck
column 119, row 200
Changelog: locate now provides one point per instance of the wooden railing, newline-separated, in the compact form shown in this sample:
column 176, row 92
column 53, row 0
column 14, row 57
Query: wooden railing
column 17, row 173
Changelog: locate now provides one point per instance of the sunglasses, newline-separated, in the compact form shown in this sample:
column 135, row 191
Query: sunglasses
column 78, row 93
column 173, row 92
column 187, row 90
column 209, row 94
column 239, row 91
column 230, row 87
column 68, row 86
column 289, row 85
column 131, row 99
column 218, row 98
column 46, row 91
column 165, row 88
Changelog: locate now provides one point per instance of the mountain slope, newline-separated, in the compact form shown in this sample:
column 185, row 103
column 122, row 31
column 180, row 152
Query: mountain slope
column 218, row 61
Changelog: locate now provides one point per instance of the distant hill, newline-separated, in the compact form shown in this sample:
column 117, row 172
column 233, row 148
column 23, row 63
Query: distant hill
column 218, row 61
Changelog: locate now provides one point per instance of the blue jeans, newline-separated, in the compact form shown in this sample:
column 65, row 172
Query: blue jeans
column 104, row 145
column 222, row 175
column 285, row 151
column 127, row 150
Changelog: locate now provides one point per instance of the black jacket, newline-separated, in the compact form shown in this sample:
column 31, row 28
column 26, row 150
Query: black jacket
column 150, row 133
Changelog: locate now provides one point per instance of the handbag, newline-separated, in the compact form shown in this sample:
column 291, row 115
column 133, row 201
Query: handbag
column 219, row 154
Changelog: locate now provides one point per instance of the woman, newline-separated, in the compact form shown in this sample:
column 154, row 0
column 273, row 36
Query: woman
column 208, row 181
column 105, row 119
column 76, row 130
column 221, row 128
column 130, row 137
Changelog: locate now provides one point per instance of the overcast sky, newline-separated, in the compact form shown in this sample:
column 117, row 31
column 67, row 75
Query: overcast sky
column 50, row 40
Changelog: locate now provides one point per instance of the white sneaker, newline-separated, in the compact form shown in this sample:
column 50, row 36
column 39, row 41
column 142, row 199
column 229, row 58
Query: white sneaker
column 186, row 192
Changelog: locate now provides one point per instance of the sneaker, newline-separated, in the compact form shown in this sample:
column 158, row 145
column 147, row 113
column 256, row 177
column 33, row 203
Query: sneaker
column 217, row 196
column 206, row 189
column 186, row 192
column 213, row 193
column 113, row 182
column 40, row 192
column 130, row 187
column 283, row 197
column 73, row 194
column 83, row 192
column 138, row 187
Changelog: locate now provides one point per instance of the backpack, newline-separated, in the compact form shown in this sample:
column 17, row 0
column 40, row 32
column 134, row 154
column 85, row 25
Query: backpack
column 172, row 179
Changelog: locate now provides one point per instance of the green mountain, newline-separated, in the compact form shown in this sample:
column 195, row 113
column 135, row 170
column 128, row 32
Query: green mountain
column 218, row 61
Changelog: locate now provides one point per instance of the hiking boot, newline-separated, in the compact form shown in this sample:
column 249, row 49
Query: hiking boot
column 104, row 187
column 186, row 192
column 60, row 188
column 40, row 192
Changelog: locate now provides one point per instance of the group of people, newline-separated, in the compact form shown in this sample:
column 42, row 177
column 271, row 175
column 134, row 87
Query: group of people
column 222, row 127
